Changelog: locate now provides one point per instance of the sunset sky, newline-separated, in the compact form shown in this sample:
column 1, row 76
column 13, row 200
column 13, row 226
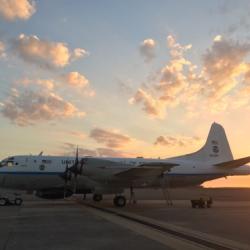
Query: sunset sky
column 124, row 78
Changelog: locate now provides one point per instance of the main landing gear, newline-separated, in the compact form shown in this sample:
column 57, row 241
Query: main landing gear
column 120, row 201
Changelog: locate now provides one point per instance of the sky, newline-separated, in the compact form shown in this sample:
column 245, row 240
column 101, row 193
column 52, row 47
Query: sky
column 124, row 78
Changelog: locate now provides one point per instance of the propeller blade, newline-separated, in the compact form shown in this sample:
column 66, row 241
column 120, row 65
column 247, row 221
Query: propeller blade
column 77, row 153
column 75, row 183
column 66, row 179
column 74, row 169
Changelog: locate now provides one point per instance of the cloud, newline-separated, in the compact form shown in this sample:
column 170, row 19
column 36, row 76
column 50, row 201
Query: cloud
column 222, row 65
column 211, row 88
column 151, row 105
column 109, row 138
column 77, row 134
column 175, row 141
column 48, row 84
column 147, row 49
column 78, row 53
column 37, row 103
column 217, row 38
column 70, row 149
column 75, row 79
column 79, row 82
column 45, row 53
column 108, row 152
column 171, row 80
column 17, row 9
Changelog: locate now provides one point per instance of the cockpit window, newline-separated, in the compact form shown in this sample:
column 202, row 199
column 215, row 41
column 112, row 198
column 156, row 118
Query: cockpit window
column 10, row 163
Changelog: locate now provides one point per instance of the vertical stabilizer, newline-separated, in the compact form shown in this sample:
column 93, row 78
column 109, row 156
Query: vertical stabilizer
column 216, row 148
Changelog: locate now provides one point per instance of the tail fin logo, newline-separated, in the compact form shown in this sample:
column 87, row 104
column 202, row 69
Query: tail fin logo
column 214, row 142
column 216, row 149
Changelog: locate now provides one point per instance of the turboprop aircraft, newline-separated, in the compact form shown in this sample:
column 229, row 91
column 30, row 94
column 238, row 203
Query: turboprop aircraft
column 60, row 176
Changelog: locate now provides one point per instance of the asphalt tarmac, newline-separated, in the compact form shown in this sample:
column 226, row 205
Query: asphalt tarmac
column 39, row 225
column 69, row 224
column 229, row 220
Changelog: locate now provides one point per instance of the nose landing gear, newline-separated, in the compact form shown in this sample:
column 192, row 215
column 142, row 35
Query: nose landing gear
column 4, row 201
column 120, row 201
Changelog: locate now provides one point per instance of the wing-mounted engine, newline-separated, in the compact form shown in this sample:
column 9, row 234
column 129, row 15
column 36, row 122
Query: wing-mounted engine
column 54, row 193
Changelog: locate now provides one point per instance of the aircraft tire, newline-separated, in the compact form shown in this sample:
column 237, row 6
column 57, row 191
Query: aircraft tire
column 97, row 197
column 120, row 201
column 18, row 201
column 3, row 201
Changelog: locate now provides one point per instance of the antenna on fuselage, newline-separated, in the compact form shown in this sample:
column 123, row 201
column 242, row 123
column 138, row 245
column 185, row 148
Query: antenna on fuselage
column 41, row 153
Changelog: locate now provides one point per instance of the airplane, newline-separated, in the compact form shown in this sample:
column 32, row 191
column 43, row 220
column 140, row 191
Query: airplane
column 53, row 177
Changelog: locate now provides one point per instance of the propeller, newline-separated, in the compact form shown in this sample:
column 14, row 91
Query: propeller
column 67, row 177
column 76, row 169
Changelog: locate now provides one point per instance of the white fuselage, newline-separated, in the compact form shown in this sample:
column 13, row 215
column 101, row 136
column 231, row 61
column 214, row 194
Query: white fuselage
column 43, row 172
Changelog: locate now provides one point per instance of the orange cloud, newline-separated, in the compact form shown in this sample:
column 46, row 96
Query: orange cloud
column 77, row 134
column 152, row 106
column 48, row 84
column 172, row 81
column 216, row 86
column 175, row 141
column 17, row 9
column 45, row 53
column 76, row 79
column 108, row 152
column 79, row 82
column 223, row 63
column 109, row 138
column 70, row 149
column 38, row 103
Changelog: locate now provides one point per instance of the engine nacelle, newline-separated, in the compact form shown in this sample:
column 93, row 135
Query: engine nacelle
column 55, row 193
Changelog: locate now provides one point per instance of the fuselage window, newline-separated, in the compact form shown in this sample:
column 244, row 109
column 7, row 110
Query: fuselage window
column 68, row 161
column 46, row 161
column 41, row 167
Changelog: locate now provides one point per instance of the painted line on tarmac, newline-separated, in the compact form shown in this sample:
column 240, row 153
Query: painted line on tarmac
column 201, row 240
column 167, row 240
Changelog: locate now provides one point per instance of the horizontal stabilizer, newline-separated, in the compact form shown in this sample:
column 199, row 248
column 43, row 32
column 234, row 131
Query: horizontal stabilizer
column 234, row 163
column 152, row 169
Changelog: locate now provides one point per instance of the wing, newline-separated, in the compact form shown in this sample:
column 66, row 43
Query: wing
column 145, row 170
column 234, row 163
